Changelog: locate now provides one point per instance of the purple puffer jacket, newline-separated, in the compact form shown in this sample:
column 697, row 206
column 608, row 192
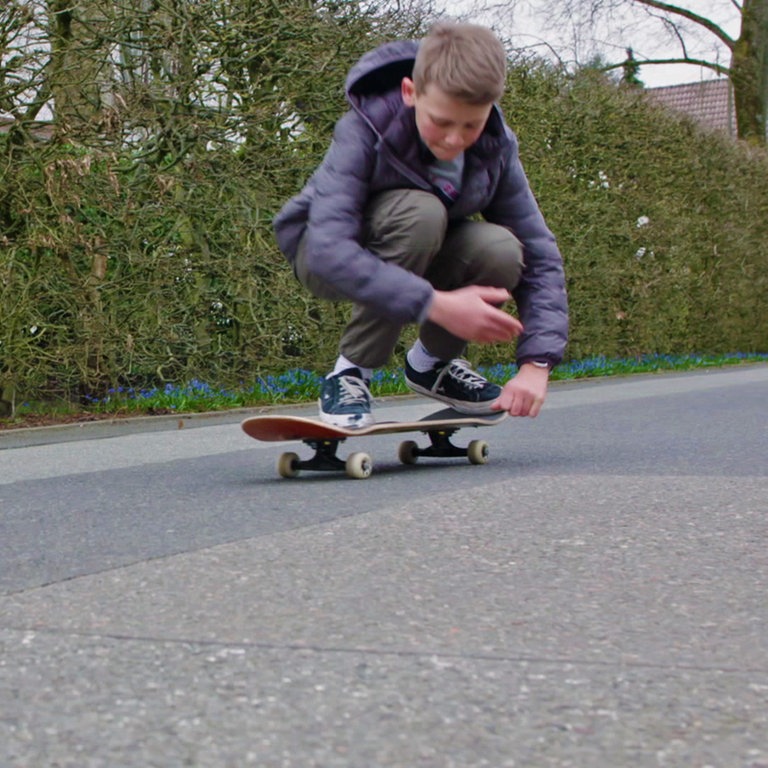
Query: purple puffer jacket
column 376, row 147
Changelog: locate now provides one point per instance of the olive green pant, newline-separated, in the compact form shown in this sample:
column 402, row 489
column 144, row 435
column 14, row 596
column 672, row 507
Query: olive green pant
column 411, row 228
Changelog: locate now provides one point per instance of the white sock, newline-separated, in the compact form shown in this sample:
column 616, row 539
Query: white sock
column 420, row 359
column 343, row 364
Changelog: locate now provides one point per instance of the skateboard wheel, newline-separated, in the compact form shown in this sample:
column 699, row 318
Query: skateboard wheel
column 408, row 452
column 359, row 465
column 288, row 465
column 477, row 452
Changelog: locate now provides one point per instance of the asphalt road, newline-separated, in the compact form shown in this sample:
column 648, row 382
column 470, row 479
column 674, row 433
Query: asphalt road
column 594, row 596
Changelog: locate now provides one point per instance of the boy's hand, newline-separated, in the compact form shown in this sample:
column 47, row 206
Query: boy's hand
column 470, row 314
column 524, row 394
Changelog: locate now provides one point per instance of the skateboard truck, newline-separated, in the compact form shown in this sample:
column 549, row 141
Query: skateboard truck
column 357, row 465
column 441, row 447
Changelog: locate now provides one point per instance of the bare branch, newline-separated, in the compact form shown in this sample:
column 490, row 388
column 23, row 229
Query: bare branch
column 701, row 21
column 721, row 70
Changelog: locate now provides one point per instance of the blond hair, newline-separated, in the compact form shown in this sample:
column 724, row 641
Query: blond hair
column 466, row 61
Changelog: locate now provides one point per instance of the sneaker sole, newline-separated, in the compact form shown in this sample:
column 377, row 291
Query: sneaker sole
column 460, row 406
column 343, row 421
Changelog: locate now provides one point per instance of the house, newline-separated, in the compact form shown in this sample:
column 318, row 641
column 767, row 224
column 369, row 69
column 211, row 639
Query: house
column 39, row 129
column 708, row 102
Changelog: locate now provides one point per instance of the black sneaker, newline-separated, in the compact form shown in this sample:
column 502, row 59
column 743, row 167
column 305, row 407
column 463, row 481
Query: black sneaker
column 457, row 384
column 345, row 400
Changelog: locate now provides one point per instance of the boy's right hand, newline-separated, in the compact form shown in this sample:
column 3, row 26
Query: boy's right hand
column 472, row 314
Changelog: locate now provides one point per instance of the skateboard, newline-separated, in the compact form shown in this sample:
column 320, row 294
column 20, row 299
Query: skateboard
column 325, row 439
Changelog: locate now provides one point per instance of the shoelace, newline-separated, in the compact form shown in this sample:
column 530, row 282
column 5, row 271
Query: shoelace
column 352, row 391
column 461, row 372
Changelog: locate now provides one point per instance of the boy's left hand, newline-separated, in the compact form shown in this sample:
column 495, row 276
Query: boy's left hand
column 524, row 394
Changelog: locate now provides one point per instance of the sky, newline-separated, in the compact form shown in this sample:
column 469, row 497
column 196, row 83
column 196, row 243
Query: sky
column 576, row 41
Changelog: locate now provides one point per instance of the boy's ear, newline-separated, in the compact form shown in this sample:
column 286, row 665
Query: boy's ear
column 408, row 91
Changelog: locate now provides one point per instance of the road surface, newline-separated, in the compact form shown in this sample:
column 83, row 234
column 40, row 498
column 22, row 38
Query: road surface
column 594, row 596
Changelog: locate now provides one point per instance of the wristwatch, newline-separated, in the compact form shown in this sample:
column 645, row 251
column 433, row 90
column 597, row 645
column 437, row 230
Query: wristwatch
column 540, row 363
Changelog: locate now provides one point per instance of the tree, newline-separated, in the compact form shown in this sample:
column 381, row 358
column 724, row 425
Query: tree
column 747, row 70
column 76, row 73
column 631, row 69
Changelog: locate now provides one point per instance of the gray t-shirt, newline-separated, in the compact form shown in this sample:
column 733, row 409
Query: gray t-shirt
column 446, row 176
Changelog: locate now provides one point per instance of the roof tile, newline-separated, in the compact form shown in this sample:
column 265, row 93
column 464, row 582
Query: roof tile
column 708, row 102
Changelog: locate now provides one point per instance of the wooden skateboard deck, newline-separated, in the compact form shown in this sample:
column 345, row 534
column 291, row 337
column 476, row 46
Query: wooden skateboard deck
column 325, row 439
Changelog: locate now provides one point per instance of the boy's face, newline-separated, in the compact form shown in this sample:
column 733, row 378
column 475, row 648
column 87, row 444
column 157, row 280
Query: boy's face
column 446, row 125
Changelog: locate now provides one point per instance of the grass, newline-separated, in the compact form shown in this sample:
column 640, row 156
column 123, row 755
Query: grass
column 299, row 386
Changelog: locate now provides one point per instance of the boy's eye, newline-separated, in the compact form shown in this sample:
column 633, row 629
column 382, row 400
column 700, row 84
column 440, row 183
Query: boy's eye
column 450, row 124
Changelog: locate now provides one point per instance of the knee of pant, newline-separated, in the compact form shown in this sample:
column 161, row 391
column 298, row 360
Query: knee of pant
column 502, row 259
column 423, row 231
column 415, row 219
column 431, row 217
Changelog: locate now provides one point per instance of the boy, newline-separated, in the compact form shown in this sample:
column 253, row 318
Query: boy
column 384, row 222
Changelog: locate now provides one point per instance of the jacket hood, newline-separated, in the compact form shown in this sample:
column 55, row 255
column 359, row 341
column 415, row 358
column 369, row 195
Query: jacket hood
column 381, row 69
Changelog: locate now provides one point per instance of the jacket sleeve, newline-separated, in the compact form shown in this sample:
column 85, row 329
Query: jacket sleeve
column 540, row 296
column 341, row 189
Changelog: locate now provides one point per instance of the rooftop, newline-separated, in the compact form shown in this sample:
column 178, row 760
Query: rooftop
column 40, row 129
column 708, row 102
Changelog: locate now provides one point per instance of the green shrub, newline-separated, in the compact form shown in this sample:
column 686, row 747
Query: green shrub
column 136, row 264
